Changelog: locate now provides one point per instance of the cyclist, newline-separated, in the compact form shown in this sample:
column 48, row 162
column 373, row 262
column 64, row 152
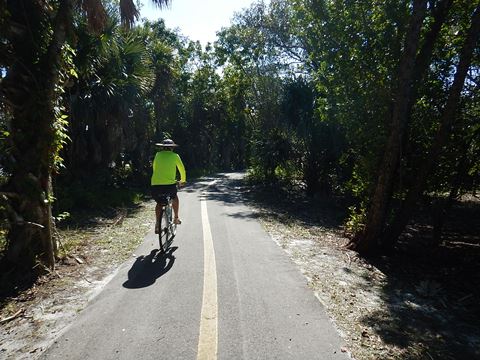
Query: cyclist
column 164, row 178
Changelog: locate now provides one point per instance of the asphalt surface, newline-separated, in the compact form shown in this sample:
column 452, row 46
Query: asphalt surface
column 151, row 309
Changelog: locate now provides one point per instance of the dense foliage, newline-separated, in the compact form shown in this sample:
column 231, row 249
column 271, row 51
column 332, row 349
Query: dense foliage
column 370, row 100
column 376, row 102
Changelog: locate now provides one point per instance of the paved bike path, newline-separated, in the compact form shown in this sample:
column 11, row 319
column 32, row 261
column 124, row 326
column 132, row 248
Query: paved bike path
column 152, row 307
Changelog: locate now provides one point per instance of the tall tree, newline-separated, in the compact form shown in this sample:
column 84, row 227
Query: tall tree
column 446, row 121
column 377, row 213
column 34, row 42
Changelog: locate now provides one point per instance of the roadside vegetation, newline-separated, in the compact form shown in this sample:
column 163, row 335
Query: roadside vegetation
column 415, row 304
column 93, row 244
column 372, row 107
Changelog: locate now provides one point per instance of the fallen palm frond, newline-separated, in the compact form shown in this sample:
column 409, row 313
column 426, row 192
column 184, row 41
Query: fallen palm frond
column 11, row 317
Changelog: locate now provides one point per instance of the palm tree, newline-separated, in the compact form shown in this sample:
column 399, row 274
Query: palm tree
column 108, row 100
column 34, row 52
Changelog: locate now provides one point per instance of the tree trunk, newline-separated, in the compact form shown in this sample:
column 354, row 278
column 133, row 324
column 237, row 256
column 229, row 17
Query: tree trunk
column 424, row 57
column 29, row 90
column 459, row 178
column 446, row 121
column 227, row 156
column 367, row 241
column 311, row 175
column 440, row 214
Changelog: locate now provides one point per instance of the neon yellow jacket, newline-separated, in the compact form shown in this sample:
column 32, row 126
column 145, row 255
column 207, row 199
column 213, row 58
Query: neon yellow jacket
column 165, row 167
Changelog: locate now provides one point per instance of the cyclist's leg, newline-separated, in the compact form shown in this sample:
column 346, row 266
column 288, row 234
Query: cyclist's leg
column 158, row 210
column 157, row 191
column 176, row 207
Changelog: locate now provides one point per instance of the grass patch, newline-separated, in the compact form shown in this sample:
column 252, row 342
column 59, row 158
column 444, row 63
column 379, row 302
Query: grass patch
column 114, row 232
column 99, row 239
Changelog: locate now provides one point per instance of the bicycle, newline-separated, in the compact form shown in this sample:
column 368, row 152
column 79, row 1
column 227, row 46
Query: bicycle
column 167, row 227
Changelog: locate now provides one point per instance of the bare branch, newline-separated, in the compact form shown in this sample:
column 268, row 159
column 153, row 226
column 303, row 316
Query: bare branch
column 9, row 194
column 30, row 224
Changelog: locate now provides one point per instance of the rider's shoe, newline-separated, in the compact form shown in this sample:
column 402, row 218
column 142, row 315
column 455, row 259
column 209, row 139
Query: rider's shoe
column 177, row 221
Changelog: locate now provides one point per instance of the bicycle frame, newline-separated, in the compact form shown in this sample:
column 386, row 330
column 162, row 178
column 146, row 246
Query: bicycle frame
column 167, row 225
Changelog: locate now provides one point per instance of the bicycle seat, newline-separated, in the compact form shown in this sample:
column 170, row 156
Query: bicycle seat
column 163, row 199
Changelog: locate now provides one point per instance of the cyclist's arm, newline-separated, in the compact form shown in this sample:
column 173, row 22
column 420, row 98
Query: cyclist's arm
column 181, row 169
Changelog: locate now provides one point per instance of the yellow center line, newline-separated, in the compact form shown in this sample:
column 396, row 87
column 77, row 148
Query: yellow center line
column 208, row 339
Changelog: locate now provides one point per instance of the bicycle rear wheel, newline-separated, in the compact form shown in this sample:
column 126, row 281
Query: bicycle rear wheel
column 164, row 231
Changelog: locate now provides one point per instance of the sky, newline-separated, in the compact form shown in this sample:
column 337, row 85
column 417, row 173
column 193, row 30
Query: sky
column 199, row 20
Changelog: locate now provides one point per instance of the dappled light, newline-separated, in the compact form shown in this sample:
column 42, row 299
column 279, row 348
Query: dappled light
column 348, row 129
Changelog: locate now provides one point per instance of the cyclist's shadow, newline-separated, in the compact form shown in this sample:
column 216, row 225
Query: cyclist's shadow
column 147, row 269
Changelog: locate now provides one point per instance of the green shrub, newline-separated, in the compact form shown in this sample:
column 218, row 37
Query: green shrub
column 356, row 220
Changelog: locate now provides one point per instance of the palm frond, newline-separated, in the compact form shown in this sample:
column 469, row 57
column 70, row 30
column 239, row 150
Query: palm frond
column 128, row 12
column 96, row 14
column 162, row 3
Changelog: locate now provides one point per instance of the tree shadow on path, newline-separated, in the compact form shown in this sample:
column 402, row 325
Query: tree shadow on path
column 147, row 269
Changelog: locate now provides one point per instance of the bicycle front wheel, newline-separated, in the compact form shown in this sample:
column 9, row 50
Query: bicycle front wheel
column 164, row 231
column 172, row 225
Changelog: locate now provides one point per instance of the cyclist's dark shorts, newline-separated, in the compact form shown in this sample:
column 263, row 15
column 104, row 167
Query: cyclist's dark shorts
column 159, row 192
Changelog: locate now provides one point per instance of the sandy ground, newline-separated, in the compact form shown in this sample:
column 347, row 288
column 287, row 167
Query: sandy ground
column 95, row 252
column 347, row 287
